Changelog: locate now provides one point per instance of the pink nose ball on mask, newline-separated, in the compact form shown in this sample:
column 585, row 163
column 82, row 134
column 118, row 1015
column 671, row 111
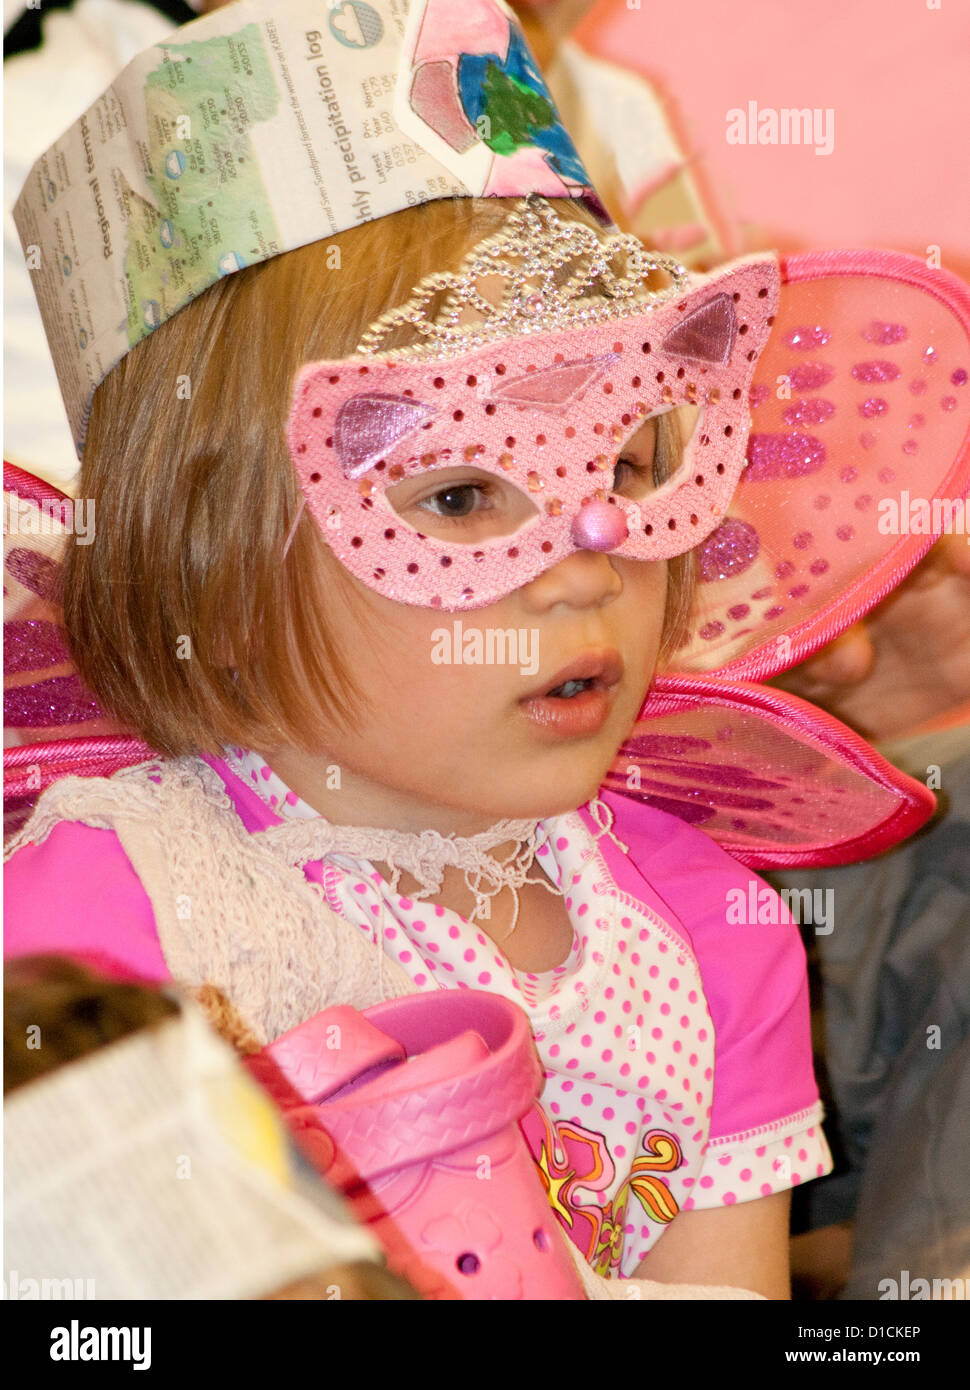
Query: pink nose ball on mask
column 599, row 526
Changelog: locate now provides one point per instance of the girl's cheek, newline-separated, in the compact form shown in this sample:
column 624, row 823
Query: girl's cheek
column 645, row 592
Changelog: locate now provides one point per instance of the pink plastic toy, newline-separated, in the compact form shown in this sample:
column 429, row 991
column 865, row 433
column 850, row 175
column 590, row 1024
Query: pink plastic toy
column 412, row 1109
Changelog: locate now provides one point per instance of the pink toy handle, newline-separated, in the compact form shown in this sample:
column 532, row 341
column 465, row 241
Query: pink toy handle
column 423, row 1098
column 435, row 1116
column 314, row 1066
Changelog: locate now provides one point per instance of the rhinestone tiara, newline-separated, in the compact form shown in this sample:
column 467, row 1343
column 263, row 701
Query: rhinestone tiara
column 556, row 275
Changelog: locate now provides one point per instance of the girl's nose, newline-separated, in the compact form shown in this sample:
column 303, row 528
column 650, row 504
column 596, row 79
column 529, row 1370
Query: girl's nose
column 583, row 579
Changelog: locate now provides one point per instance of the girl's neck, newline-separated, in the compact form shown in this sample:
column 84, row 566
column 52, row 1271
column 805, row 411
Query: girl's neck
column 357, row 801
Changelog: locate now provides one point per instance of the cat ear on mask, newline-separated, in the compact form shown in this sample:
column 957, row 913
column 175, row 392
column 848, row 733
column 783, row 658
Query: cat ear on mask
column 366, row 426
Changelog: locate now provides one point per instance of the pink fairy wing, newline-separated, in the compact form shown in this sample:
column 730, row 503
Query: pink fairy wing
column 861, row 423
column 53, row 726
column 775, row 781
column 860, row 414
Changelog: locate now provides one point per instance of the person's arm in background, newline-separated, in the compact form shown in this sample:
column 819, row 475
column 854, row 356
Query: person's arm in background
column 906, row 665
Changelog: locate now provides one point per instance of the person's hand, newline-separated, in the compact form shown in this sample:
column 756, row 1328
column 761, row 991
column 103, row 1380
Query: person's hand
column 908, row 662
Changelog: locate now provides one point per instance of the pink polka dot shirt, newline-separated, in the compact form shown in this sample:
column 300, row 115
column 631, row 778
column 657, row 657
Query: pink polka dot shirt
column 675, row 1045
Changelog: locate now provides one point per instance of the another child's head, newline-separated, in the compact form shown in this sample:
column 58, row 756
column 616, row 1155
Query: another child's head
column 197, row 628
column 82, row 1018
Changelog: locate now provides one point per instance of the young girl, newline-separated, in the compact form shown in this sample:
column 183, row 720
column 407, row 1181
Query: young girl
column 311, row 695
column 352, row 802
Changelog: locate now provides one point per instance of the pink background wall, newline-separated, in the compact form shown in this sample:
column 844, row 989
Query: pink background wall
column 896, row 74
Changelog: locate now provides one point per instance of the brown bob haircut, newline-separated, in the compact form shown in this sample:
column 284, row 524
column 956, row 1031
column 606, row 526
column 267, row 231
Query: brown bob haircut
column 184, row 618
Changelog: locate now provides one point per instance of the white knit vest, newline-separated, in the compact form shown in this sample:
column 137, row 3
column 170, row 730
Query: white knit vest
column 229, row 909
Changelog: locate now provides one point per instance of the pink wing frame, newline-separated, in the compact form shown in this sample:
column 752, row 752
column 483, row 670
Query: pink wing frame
column 53, row 726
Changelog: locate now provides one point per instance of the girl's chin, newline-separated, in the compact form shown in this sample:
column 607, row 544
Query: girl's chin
column 554, row 795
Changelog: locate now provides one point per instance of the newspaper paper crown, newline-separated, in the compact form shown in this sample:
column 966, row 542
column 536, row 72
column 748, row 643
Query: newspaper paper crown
column 262, row 127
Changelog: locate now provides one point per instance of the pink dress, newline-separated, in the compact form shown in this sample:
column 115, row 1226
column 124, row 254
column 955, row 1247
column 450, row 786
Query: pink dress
column 675, row 1042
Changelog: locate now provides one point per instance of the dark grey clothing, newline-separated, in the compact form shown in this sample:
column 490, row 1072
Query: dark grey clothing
column 893, row 987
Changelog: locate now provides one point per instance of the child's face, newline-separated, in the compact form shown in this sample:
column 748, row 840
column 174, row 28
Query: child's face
column 448, row 720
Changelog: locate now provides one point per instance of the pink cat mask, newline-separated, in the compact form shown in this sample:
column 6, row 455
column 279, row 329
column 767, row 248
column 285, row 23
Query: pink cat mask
column 547, row 408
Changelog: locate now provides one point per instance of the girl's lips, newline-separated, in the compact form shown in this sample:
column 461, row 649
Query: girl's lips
column 603, row 667
column 585, row 713
column 582, row 715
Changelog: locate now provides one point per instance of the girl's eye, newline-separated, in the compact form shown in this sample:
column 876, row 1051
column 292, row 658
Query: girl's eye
column 466, row 509
column 457, row 501
column 626, row 471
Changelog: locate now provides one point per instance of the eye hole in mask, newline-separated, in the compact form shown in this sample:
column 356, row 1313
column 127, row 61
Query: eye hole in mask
column 471, row 505
column 653, row 453
column 461, row 505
